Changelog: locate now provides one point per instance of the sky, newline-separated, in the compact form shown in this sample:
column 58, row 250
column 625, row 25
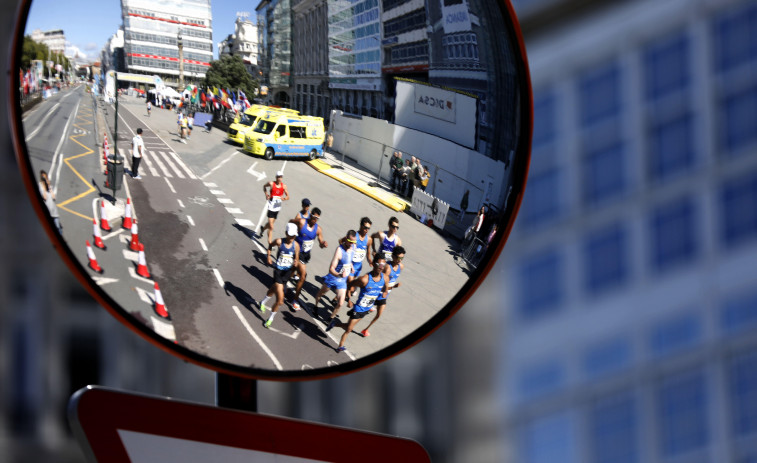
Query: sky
column 87, row 35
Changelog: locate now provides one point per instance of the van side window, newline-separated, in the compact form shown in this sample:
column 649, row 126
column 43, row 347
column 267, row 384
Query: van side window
column 282, row 130
column 297, row 132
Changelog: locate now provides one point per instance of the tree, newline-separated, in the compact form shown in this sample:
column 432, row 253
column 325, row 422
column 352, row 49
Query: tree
column 229, row 72
column 31, row 50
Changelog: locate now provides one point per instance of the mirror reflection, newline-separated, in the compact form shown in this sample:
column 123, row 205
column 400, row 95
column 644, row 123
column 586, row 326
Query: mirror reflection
column 290, row 188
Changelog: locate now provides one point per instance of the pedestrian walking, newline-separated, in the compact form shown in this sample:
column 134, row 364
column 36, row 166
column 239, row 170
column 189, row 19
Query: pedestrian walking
column 190, row 123
column 48, row 195
column 184, row 124
column 388, row 239
column 392, row 272
column 137, row 150
column 275, row 193
column 407, row 172
column 149, row 108
column 339, row 270
column 372, row 285
column 309, row 232
column 288, row 253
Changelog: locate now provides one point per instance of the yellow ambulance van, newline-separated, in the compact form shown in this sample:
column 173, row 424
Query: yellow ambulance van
column 242, row 124
column 286, row 136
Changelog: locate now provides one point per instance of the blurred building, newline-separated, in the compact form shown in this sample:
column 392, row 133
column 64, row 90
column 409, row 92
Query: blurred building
column 310, row 58
column 112, row 54
column 631, row 330
column 153, row 32
column 243, row 43
column 55, row 40
column 275, row 45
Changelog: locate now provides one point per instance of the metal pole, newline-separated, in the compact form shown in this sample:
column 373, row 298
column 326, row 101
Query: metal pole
column 377, row 183
column 181, row 62
column 115, row 134
column 236, row 393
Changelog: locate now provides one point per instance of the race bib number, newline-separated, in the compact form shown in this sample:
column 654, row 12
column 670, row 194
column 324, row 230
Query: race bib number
column 285, row 261
column 346, row 270
column 359, row 255
column 366, row 301
column 307, row 245
column 388, row 255
column 274, row 204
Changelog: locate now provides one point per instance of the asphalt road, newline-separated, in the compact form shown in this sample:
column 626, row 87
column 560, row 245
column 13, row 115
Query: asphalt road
column 197, row 206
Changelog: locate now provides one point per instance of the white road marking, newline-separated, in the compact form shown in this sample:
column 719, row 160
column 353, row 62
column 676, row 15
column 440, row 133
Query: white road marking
column 42, row 122
column 144, row 296
column 160, row 164
column 112, row 234
column 202, row 245
column 148, row 163
column 169, row 185
column 217, row 192
column 186, row 168
column 294, row 335
column 170, row 164
column 259, row 175
column 245, row 222
column 191, row 222
column 218, row 277
column 257, row 338
column 163, row 328
column 131, row 255
column 103, row 281
column 210, row 184
column 234, row 210
column 219, row 165
column 134, row 275
column 181, row 205
column 225, row 201
column 57, row 154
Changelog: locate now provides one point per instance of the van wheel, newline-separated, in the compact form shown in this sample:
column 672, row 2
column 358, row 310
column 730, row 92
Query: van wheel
column 313, row 155
column 268, row 154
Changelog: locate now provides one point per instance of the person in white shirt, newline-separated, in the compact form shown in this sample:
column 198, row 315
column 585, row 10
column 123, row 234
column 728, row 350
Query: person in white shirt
column 137, row 149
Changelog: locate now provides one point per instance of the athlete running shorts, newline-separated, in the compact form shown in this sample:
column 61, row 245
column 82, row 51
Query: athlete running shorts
column 356, row 267
column 305, row 257
column 355, row 315
column 282, row 276
column 335, row 283
column 380, row 302
column 273, row 214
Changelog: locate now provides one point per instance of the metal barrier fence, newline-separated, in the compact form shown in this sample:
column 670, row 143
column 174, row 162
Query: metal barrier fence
column 473, row 250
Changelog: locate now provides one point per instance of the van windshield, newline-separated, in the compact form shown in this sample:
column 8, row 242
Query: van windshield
column 265, row 127
column 247, row 120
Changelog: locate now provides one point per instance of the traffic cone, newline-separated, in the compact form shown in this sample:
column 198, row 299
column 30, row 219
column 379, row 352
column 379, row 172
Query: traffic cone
column 103, row 219
column 92, row 260
column 98, row 238
column 105, row 146
column 160, row 307
column 142, row 265
column 134, row 245
column 126, row 223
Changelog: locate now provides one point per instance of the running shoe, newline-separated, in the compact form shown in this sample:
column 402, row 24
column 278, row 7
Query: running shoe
column 365, row 333
column 138, row 177
column 268, row 323
column 372, row 310
column 341, row 349
column 262, row 307
column 296, row 305
column 332, row 324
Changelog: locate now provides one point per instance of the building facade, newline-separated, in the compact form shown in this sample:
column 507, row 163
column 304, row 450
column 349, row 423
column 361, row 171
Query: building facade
column 151, row 38
column 310, row 58
column 244, row 43
column 55, row 40
column 355, row 79
column 275, row 44
column 631, row 326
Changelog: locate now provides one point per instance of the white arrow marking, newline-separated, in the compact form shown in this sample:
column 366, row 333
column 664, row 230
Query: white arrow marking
column 259, row 175
column 144, row 296
column 133, row 274
column 163, row 328
column 103, row 280
column 293, row 335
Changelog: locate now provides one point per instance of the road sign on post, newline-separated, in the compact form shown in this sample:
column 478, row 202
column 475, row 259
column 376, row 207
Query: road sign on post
column 117, row 426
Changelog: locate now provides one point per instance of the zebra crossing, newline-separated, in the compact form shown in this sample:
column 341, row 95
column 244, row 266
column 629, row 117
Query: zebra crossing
column 160, row 164
column 235, row 211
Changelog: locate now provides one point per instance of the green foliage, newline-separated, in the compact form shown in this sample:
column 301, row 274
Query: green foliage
column 229, row 73
column 31, row 50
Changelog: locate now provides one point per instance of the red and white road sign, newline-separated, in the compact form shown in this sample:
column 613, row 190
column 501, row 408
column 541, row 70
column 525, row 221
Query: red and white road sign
column 121, row 427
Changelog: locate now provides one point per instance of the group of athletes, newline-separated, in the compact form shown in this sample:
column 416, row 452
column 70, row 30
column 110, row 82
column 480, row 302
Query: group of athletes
column 343, row 277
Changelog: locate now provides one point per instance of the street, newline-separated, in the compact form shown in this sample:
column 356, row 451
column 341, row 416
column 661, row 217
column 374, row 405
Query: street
column 197, row 207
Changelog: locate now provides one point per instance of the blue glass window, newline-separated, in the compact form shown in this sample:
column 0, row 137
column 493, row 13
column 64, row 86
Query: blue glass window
column 540, row 284
column 738, row 121
column 605, row 259
column 604, row 174
column 736, row 37
column 743, row 393
column 666, row 66
column 739, row 313
column 682, row 411
column 671, row 148
column 540, row 379
column 739, row 207
column 599, row 94
column 675, row 335
column 607, row 357
column 542, row 199
column 545, row 118
column 613, row 425
column 673, row 230
column 549, row 439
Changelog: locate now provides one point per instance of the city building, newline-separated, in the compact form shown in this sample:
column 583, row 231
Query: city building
column 55, row 40
column 630, row 332
column 156, row 33
column 112, row 54
column 310, row 58
column 354, row 37
column 243, row 42
column 275, row 45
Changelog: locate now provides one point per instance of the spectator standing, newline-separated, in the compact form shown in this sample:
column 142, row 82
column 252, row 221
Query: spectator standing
column 137, row 150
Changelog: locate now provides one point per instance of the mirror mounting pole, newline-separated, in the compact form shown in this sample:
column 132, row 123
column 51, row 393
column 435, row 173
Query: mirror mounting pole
column 236, row 393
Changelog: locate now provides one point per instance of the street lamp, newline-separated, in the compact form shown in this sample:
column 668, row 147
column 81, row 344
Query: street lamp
column 181, row 61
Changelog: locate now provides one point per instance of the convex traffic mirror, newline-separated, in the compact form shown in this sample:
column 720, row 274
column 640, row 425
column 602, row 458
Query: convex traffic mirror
column 323, row 210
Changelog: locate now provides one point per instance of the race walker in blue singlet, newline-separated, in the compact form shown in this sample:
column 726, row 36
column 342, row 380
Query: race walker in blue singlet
column 392, row 272
column 339, row 269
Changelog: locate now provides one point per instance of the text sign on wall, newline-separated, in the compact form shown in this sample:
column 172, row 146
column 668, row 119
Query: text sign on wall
column 456, row 17
column 435, row 102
